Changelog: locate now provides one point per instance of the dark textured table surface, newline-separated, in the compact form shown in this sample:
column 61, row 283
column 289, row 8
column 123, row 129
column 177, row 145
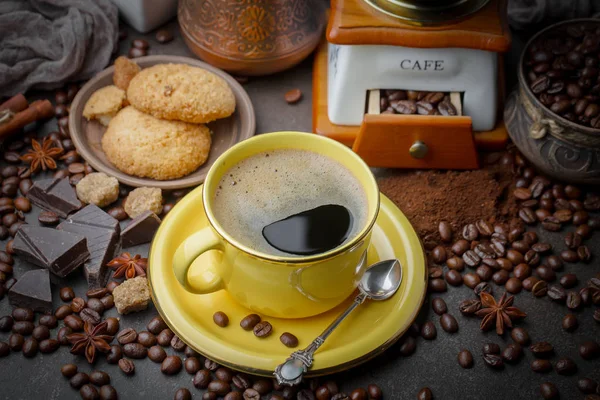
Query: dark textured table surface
column 434, row 364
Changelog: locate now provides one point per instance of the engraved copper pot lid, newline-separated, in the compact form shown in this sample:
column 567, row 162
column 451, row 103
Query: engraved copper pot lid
column 428, row 12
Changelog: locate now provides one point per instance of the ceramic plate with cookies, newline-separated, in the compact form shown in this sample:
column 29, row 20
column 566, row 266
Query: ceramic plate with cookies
column 159, row 121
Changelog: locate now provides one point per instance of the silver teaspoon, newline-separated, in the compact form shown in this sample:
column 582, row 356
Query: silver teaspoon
column 380, row 282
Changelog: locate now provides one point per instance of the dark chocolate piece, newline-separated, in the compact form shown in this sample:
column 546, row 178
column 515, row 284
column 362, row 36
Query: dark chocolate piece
column 60, row 252
column 55, row 195
column 32, row 290
column 102, row 234
column 140, row 230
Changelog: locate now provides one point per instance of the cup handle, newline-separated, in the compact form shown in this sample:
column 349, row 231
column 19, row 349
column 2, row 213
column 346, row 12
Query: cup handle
column 191, row 248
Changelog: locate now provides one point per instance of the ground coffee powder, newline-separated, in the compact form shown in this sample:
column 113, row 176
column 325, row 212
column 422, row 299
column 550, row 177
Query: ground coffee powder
column 458, row 197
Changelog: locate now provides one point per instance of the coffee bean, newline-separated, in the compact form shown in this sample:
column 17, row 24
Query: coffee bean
column 191, row 364
column 520, row 336
column 424, row 394
column 541, row 366
column 48, row 218
column 545, row 273
column 449, row 323
column 408, row 345
column 135, row 52
column 435, row 272
column 157, row 354
column 549, row 391
column 512, row 353
column 568, row 281
column 221, row 319
column 209, row 396
column 470, row 232
column 251, row 394
column 455, row 263
column 171, row 365
column 30, row 347
column 263, row 386
column 439, row 305
column 140, row 44
column 96, row 293
column 513, row 285
column 127, row 335
column 541, row 349
column 118, row 213
column 240, row 381
column 156, row 325
column 514, row 257
column 22, row 204
column 482, row 287
column 23, row 314
column 589, row 350
column 112, row 326
column 557, row 293
column 68, row 370
column 428, row 331
column 62, row 335
column 529, row 282
column 587, row 385
column 469, row 307
column 249, row 322
column 24, row 328
column 146, row 339
column 210, row 365
column 493, row 360
column 569, row 256
column 288, row 339
column 293, row 96
column 584, row 254
column 522, row 271
column 460, row 247
column 164, row 35
column 185, row 394
column 454, row 277
column 219, row 387
column 126, row 366
column 6, row 323
column 40, row 333
column 263, row 329
column 565, row 366
column 62, row 312
column 15, row 341
column 135, row 351
column 99, row 378
column 164, row 337
column 445, row 230
column 77, row 304
column 471, row 280
column 201, row 379
column 96, row 305
column 79, row 379
column 540, row 289
column 67, row 294
column 574, row 301
column 439, row 254
column 91, row 316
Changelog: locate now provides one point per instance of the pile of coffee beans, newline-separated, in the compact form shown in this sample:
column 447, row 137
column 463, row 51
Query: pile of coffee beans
column 561, row 68
column 416, row 102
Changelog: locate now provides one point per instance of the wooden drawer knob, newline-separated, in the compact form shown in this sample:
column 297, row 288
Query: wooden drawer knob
column 418, row 150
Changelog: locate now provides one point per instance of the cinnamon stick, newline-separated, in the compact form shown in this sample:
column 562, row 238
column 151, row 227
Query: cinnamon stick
column 40, row 109
column 15, row 104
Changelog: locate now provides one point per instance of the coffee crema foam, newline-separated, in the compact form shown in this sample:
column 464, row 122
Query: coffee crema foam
column 274, row 185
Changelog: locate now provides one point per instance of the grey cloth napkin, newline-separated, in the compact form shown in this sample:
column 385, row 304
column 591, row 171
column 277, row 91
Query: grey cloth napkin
column 45, row 43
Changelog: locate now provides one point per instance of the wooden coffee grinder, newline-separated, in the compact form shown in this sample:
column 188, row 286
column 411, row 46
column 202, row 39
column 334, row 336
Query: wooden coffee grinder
column 450, row 46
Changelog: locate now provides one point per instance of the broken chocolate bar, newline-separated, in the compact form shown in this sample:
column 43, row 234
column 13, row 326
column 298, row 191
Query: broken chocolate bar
column 60, row 252
column 32, row 290
column 140, row 230
column 102, row 233
column 54, row 195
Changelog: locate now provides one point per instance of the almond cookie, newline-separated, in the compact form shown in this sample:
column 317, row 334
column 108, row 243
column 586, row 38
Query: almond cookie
column 104, row 104
column 141, row 145
column 181, row 92
column 125, row 70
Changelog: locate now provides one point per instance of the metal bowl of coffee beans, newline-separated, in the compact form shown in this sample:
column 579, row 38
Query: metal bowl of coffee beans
column 553, row 116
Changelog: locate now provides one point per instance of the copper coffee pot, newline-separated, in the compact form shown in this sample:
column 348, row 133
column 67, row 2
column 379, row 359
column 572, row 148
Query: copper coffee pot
column 257, row 37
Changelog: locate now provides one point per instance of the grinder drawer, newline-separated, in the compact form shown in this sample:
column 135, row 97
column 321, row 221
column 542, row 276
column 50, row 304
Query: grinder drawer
column 415, row 141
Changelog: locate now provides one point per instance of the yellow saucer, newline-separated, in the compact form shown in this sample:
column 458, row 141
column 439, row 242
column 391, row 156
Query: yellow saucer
column 367, row 332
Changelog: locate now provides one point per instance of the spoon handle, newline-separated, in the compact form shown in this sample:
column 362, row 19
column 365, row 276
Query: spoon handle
column 291, row 371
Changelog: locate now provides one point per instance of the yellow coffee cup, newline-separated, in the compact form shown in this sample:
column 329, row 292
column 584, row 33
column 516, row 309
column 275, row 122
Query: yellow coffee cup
column 277, row 286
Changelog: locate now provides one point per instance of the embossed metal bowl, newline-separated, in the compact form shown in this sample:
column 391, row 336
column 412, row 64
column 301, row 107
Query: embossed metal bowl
column 252, row 38
column 556, row 146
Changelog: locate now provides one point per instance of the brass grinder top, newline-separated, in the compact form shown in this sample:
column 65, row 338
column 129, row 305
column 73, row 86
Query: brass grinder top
column 428, row 12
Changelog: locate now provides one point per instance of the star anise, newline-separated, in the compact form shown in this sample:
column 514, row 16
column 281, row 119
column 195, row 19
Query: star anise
column 501, row 312
column 128, row 266
column 42, row 156
column 93, row 338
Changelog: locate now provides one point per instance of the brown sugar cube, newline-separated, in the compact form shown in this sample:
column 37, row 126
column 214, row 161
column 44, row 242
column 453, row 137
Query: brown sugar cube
column 98, row 188
column 125, row 70
column 143, row 199
column 132, row 295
